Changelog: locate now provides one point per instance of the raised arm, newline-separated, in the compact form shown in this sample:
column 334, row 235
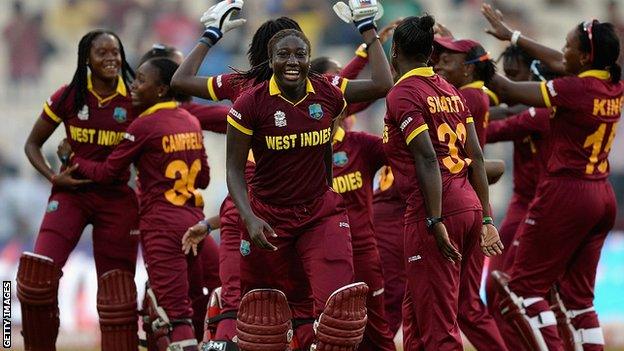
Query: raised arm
column 527, row 93
column 217, row 22
column 499, row 29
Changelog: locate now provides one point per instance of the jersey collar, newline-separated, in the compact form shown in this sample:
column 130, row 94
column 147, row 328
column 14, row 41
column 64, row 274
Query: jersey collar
column 596, row 73
column 275, row 90
column 159, row 106
column 420, row 71
column 339, row 135
column 477, row 84
column 120, row 90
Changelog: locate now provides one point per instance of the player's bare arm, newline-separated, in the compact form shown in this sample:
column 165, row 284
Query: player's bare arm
column 428, row 172
column 238, row 145
column 217, row 21
column 499, row 29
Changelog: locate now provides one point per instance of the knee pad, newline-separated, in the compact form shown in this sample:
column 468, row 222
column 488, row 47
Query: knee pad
column 341, row 325
column 37, row 289
column 574, row 338
column 117, row 308
column 264, row 321
column 513, row 309
column 158, row 326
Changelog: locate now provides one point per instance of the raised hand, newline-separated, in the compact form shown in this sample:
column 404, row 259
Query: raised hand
column 217, row 19
column 363, row 15
column 498, row 28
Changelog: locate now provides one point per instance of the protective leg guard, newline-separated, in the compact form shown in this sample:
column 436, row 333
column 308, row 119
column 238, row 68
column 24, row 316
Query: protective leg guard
column 183, row 345
column 117, row 307
column 37, row 289
column 219, row 345
column 587, row 334
column 214, row 315
column 341, row 325
column 264, row 321
column 156, row 323
column 513, row 309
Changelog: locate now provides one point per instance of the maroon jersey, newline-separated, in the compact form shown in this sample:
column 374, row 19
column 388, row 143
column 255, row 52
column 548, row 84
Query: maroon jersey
column 423, row 101
column 386, row 190
column 583, row 129
column 357, row 157
column 289, row 140
column 98, row 126
column 166, row 145
column 211, row 117
column 478, row 102
column 528, row 130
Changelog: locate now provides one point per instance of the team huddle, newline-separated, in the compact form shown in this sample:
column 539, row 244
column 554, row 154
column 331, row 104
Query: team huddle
column 310, row 256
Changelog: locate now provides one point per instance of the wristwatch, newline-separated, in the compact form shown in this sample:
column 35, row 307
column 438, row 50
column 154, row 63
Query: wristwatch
column 431, row 221
column 205, row 222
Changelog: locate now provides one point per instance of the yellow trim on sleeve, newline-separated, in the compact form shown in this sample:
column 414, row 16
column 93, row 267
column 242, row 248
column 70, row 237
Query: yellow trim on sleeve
column 211, row 91
column 237, row 125
column 545, row 94
column 469, row 120
column 477, row 84
column 343, row 85
column 492, row 96
column 51, row 113
column 415, row 133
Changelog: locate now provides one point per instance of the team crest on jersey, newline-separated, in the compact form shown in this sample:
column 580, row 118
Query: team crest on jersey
column 280, row 119
column 83, row 114
column 316, row 111
column 340, row 158
column 245, row 247
column 120, row 114
column 52, row 206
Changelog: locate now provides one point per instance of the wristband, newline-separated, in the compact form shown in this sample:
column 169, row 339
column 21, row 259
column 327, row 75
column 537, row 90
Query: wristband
column 515, row 36
column 487, row 220
column 213, row 34
column 205, row 222
column 362, row 50
column 365, row 24
column 431, row 221
column 205, row 41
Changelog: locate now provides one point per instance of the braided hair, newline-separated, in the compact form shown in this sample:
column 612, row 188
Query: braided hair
column 79, row 81
column 414, row 37
column 606, row 47
column 514, row 52
column 484, row 69
column 258, row 55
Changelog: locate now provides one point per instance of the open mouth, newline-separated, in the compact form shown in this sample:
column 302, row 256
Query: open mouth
column 292, row 74
column 111, row 68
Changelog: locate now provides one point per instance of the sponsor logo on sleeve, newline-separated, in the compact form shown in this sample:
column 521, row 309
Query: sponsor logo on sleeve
column 49, row 101
column 219, row 81
column 405, row 123
column 551, row 88
column 316, row 111
column 280, row 119
column 532, row 112
column 52, row 206
column 120, row 114
column 128, row 136
column 235, row 113
column 335, row 80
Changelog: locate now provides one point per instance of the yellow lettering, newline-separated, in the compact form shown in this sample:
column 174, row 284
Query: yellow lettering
column 431, row 103
column 165, row 144
column 599, row 107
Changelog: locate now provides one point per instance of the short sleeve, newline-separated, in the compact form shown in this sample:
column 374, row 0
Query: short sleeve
column 224, row 87
column 338, row 81
column 55, row 110
column 407, row 113
column 564, row 92
column 241, row 116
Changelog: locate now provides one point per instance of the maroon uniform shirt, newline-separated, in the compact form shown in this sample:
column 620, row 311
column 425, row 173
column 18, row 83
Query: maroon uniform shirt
column 528, row 130
column 478, row 102
column 166, row 145
column 583, row 129
column 289, row 140
column 98, row 126
column 422, row 101
column 357, row 157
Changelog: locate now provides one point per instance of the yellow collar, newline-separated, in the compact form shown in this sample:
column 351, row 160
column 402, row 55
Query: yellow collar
column 159, row 106
column 477, row 84
column 275, row 90
column 339, row 135
column 120, row 90
column 596, row 73
column 420, row 71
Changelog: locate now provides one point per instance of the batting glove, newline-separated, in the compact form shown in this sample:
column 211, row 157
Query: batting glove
column 217, row 19
column 362, row 13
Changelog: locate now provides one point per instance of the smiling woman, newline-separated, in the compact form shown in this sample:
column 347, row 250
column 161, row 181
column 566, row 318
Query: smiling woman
column 95, row 109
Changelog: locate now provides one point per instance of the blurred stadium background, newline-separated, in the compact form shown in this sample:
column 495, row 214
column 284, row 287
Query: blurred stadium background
column 38, row 54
